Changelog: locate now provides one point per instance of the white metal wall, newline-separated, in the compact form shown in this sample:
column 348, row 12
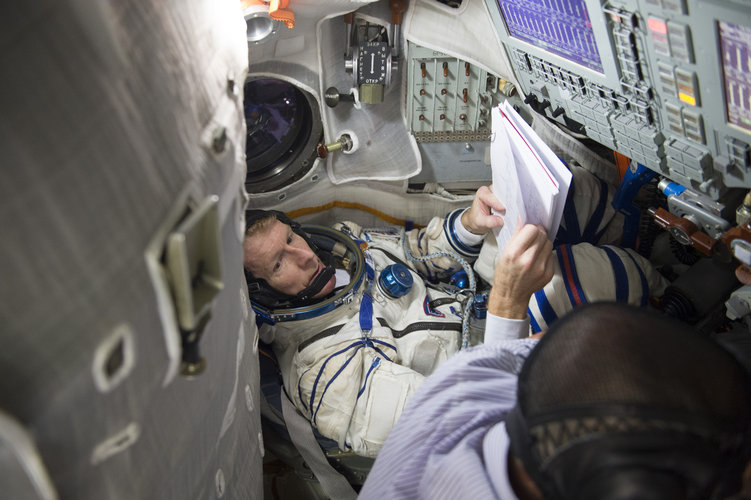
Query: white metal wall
column 117, row 119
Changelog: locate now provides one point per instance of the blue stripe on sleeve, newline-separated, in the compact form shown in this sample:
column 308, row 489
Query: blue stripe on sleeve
column 621, row 277
column 547, row 311
column 572, row 232
column 453, row 239
column 643, row 278
column 590, row 232
column 533, row 322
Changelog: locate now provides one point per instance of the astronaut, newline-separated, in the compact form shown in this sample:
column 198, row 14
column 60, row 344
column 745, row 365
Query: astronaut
column 358, row 318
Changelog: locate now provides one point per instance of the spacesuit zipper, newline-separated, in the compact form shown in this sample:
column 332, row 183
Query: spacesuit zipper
column 422, row 325
column 328, row 332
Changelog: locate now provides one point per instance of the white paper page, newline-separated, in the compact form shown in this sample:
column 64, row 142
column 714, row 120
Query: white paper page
column 536, row 183
column 505, row 180
column 550, row 159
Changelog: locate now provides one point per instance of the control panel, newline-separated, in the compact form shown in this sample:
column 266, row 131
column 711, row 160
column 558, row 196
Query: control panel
column 448, row 100
column 666, row 83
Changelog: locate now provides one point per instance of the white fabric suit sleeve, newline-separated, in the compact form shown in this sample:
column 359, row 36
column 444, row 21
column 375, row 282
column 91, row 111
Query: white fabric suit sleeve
column 586, row 273
column 444, row 235
column 469, row 239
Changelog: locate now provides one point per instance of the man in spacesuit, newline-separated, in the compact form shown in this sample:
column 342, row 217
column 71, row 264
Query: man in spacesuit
column 358, row 318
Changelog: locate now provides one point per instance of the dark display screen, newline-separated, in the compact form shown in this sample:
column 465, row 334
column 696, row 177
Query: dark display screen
column 562, row 27
column 736, row 50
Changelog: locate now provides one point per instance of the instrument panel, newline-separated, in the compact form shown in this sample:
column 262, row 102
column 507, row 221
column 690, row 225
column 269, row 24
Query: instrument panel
column 663, row 82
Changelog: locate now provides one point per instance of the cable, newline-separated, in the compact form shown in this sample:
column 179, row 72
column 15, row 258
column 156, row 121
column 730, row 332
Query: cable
column 353, row 205
column 470, row 273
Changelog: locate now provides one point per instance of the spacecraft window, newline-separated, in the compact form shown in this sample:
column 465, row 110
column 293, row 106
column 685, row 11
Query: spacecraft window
column 283, row 128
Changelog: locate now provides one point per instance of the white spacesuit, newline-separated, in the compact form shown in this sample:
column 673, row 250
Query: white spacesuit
column 351, row 368
column 350, row 373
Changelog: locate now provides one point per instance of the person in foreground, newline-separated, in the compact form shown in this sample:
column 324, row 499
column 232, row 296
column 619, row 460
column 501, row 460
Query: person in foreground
column 614, row 402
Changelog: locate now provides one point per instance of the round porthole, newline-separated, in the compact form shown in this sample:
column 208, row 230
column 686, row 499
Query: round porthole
column 283, row 128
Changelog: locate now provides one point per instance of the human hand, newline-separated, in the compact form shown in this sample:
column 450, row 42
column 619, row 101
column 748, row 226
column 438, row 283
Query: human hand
column 524, row 266
column 479, row 219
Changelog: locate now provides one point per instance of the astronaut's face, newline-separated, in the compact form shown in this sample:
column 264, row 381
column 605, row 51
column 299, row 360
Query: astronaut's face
column 283, row 258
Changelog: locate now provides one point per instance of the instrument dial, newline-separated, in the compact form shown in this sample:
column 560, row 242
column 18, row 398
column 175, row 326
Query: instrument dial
column 372, row 61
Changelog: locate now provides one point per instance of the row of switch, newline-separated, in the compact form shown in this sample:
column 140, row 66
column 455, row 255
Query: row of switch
column 685, row 122
column 635, row 84
column 462, row 117
column 738, row 151
column 548, row 72
column 672, row 6
column 679, row 83
column 640, row 142
column 447, row 96
column 686, row 161
column 671, row 39
column 465, row 94
column 445, row 66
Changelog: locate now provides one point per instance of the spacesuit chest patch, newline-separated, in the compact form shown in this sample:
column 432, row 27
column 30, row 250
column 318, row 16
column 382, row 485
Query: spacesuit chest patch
column 430, row 311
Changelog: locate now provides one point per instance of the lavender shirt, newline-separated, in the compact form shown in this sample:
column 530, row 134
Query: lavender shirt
column 451, row 440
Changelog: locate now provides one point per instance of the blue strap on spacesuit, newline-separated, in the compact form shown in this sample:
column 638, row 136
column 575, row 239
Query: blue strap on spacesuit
column 366, row 304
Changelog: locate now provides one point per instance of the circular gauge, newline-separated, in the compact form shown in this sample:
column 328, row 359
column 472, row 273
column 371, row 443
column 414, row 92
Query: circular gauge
column 372, row 63
column 283, row 128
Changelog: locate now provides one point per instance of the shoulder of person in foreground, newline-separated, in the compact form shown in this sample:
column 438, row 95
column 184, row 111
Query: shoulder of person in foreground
column 436, row 448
